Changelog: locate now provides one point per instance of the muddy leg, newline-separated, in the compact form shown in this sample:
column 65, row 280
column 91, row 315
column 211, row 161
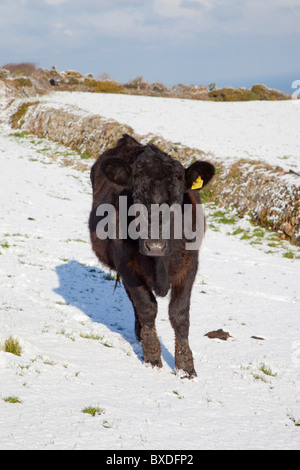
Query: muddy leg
column 180, row 320
column 145, row 308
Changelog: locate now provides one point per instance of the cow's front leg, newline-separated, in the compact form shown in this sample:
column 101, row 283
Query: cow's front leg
column 180, row 320
column 145, row 308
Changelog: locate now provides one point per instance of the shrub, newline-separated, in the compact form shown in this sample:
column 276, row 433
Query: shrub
column 90, row 82
column 4, row 72
column 21, row 82
column 264, row 93
column 93, row 410
column 137, row 83
column 24, row 68
column 257, row 92
column 73, row 81
column 12, row 346
column 231, row 94
column 108, row 87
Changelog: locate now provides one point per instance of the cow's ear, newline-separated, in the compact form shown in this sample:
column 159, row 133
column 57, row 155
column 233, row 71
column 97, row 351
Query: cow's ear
column 117, row 171
column 198, row 175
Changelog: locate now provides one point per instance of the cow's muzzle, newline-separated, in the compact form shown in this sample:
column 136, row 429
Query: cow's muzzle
column 155, row 247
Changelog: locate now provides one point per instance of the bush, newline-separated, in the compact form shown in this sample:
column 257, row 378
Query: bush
column 137, row 83
column 4, row 72
column 231, row 94
column 108, row 87
column 24, row 68
column 12, row 346
column 90, row 82
column 21, row 82
column 257, row 92
column 73, row 81
column 264, row 93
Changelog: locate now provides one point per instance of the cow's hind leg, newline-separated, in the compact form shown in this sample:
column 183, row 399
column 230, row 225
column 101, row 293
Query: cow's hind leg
column 145, row 309
column 179, row 318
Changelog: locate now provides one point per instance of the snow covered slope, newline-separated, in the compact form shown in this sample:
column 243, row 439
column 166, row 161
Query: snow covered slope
column 78, row 345
column 258, row 130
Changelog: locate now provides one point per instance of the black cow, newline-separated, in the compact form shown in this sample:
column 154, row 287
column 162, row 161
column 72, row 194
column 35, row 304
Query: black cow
column 147, row 266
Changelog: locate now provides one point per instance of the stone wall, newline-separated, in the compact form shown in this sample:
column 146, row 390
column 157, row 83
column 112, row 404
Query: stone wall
column 254, row 187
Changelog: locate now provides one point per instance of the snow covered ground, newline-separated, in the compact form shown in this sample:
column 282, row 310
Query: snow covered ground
column 258, row 130
column 78, row 344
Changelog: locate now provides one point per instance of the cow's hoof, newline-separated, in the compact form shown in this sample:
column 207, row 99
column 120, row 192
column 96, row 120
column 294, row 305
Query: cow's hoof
column 184, row 359
column 151, row 347
column 184, row 374
column 154, row 362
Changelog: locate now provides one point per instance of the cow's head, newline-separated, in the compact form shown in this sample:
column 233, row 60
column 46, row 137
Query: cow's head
column 156, row 178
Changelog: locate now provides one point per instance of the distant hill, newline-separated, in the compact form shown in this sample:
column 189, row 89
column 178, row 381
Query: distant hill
column 25, row 79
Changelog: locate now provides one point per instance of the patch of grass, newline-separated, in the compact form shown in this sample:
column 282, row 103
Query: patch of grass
column 90, row 336
column 16, row 118
column 180, row 397
column 213, row 227
column 93, row 410
column 19, row 134
column 12, row 399
column 12, row 346
column 86, row 155
column 246, row 235
column 4, row 245
column 238, row 231
column 206, row 194
column 289, row 255
column 45, row 149
column 258, row 232
column 292, row 418
column 48, row 362
column 267, row 371
column 224, row 218
column 76, row 240
column 259, row 377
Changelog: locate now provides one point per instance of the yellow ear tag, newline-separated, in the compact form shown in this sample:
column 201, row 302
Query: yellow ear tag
column 198, row 183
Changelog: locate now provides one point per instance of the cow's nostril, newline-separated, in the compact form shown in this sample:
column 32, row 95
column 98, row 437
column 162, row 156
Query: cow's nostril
column 147, row 245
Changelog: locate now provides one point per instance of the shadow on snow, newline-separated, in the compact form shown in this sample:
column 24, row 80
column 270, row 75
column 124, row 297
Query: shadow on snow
column 92, row 291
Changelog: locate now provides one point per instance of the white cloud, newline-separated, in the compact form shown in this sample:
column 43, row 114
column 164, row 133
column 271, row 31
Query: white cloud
column 55, row 2
column 183, row 8
column 60, row 28
column 171, row 9
column 119, row 23
column 271, row 17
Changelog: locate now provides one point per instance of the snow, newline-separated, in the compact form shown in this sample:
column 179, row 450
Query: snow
column 257, row 130
column 77, row 338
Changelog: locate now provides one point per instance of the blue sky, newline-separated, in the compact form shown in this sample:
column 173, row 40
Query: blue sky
column 230, row 42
